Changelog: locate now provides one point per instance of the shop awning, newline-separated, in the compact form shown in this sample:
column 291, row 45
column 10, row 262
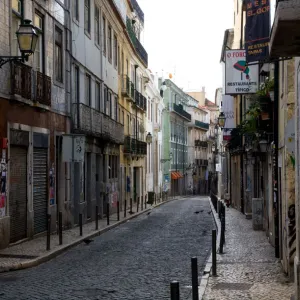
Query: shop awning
column 174, row 175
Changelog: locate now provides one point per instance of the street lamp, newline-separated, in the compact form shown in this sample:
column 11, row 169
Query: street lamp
column 149, row 138
column 263, row 145
column 221, row 120
column 27, row 39
column 216, row 130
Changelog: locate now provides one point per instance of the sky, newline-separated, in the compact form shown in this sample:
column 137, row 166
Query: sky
column 184, row 38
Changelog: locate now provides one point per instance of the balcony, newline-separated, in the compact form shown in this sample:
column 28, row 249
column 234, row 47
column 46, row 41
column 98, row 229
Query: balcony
column 31, row 85
column 127, row 88
column 138, row 10
column 140, row 101
column 94, row 123
column 287, row 20
column 136, row 43
column 181, row 112
column 202, row 125
column 132, row 146
column 199, row 143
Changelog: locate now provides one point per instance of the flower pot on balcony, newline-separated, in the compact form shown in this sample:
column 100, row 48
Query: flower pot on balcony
column 271, row 94
column 264, row 116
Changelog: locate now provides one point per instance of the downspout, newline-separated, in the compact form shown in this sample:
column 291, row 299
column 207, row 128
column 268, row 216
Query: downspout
column 241, row 119
column 275, row 160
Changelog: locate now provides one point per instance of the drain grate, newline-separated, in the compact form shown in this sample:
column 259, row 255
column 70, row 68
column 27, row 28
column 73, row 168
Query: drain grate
column 232, row 286
column 21, row 256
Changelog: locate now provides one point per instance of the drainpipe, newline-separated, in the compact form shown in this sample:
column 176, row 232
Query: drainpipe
column 275, row 160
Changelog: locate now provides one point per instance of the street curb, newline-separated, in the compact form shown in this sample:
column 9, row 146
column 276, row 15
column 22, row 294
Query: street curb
column 208, row 266
column 52, row 254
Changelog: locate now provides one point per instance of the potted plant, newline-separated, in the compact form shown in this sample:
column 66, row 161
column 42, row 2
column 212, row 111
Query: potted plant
column 270, row 88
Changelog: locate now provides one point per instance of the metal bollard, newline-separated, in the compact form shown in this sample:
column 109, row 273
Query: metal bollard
column 118, row 210
column 131, row 206
column 145, row 201
column 60, row 227
column 96, row 219
column 137, row 204
column 175, row 294
column 48, row 231
column 107, row 213
column 142, row 203
column 214, row 252
column 195, row 290
column 80, row 224
column 125, row 208
column 222, row 241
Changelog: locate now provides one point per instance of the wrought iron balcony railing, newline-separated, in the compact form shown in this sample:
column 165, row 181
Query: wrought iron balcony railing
column 199, row 143
column 140, row 101
column 136, row 43
column 202, row 125
column 127, row 88
column 180, row 111
column 132, row 146
column 138, row 10
column 31, row 85
column 94, row 123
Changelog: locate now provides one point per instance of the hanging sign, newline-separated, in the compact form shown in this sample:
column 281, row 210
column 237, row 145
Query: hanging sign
column 257, row 31
column 239, row 78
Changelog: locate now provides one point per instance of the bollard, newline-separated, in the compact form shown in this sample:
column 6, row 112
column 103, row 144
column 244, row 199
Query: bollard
column 195, row 290
column 131, row 206
column 118, row 210
column 146, row 202
column 80, row 224
column 142, row 203
column 96, row 219
column 174, row 286
column 48, row 231
column 222, row 241
column 214, row 252
column 125, row 207
column 60, row 227
column 107, row 213
column 224, row 221
column 137, row 204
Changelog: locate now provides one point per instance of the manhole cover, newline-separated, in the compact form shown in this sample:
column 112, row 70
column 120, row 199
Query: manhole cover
column 93, row 292
column 232, row 286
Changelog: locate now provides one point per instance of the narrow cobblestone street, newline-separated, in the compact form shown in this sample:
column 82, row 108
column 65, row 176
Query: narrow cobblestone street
column 248, row 268
column 135, row 261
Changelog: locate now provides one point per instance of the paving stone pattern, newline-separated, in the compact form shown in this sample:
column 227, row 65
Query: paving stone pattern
column 135, row 261
column 248, row 268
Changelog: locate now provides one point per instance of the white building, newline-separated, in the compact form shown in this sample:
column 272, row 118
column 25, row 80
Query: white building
column 154, row 127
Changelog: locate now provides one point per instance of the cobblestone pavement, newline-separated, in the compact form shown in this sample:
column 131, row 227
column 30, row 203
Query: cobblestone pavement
column 135, row 261
column 248, row 268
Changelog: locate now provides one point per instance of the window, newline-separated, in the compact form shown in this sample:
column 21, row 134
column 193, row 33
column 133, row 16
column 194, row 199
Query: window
column 58, row 55
column 115, row 51
column 128, row 125
column 119, row 61
column 88, row 90
column 77, row 84
column 87, row 16
column 39, row 49
column 98, row 96
column 127, row 67
column 122, row 63
column 16, row 6
column 76, row 9
column 15, row 51
column 109, row 104
column 105, row 99
column 104, row 34
column 109, row 43
column 97, row 23
column 116, row 108
column 122, row 121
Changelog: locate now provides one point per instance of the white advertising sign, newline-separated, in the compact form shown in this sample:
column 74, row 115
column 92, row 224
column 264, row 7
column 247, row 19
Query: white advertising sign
column 239, row 78
column 73, row 148
column 228, row 110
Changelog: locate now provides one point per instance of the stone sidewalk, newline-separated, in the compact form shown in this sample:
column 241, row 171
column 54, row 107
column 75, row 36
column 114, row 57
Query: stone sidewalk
column 248, row 268
column 33, row 252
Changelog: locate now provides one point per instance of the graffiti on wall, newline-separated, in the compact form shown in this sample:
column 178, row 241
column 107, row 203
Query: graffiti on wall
column 292, row 230
column 52, row 185
column 3, row 173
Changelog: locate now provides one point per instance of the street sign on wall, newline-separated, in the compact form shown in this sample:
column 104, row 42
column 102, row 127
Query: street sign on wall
column 239, row 78
column 73, row 148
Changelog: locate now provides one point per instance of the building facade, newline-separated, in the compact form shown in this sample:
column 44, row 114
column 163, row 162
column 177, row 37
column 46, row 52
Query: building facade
column 35, row 97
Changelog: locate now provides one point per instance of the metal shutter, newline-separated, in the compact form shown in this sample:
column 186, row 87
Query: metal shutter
column 18, row 193
column 40, row 195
